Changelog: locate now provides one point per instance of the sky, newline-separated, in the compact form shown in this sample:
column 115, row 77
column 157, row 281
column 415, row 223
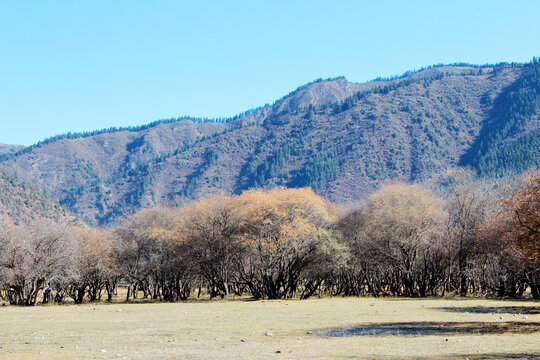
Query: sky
column 86, row 65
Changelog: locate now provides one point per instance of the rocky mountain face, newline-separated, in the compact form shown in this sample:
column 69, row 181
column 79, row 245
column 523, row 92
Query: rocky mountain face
column 342, row 139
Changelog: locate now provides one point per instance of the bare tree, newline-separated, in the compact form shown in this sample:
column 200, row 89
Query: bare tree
column 211, row 228
column 470, row 201
column 35, row 258
column 398, row 238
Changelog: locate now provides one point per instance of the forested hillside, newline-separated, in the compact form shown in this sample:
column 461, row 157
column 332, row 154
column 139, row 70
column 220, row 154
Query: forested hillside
column 340, row 138
column 7, row 150
column 21, row 204
column 510, row 138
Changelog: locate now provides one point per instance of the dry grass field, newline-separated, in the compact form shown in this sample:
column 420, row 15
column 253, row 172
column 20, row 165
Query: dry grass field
column 257, row 330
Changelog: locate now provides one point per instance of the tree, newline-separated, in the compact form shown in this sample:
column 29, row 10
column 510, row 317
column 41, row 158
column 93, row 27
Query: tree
column 470, row 201
column 34, row 258
column 366, row 269
column 140, row 252
column 210, row 227
column 96, row 263
column 522, row 210
column 524, row 206
column 403, row 226
column 284, row 231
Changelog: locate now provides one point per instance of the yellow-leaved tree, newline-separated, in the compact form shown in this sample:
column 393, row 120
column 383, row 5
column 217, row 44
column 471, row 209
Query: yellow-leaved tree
column 284, row 231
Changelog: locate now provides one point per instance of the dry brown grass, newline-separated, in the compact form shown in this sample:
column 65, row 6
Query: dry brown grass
column 236, row 329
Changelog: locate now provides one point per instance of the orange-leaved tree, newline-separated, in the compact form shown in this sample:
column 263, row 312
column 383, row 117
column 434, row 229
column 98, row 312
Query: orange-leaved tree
column 523, row 235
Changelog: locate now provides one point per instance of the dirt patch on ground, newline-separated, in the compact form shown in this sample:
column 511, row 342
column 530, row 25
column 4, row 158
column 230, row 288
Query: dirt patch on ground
column 433, row 328
column 520, row 310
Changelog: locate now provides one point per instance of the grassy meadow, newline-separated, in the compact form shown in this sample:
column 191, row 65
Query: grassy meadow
column 255, row 330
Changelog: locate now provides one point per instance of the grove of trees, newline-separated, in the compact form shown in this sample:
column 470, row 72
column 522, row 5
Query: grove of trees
column 456, row 235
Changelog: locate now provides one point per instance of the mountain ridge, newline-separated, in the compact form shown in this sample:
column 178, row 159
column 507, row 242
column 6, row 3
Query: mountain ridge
column 10, row 149
column 135, row 128
column 341, row 138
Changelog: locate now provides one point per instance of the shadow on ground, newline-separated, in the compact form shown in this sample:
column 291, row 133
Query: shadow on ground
column 497, row 356
column 432, row 328
column 529, row 310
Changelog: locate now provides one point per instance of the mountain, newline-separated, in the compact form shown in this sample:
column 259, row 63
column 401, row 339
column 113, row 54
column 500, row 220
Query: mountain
column 9, row 149
column 21, row 204
column 509, row 140
column 342, row 139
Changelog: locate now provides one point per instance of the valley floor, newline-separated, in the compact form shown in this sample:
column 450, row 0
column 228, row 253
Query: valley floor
column 264, row 329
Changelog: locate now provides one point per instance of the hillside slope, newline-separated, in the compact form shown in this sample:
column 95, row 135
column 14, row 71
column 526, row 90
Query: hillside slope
column 22, row 204
column 9, row 149
column 340, row 138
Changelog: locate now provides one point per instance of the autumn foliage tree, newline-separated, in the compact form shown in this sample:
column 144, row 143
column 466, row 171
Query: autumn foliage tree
column 524, row 208
column 406, row 240
column 259, row 241
column 96, row 264
column 284, row 232
column 522, row 215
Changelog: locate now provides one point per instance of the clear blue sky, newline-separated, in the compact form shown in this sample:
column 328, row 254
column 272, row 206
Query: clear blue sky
column 83, row 65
